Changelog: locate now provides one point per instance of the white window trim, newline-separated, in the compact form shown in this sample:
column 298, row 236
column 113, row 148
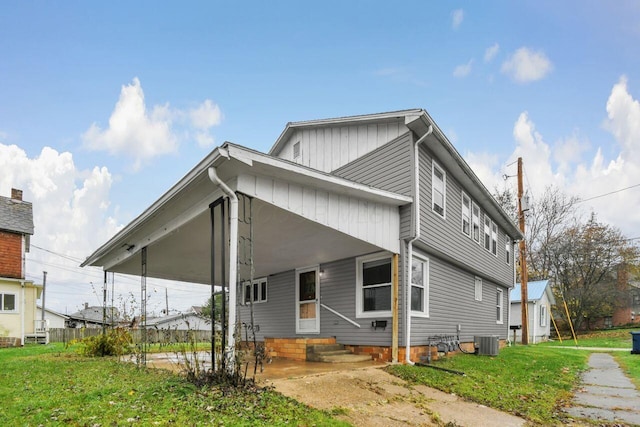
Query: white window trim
column 469, row 214
column 475, row 220
column 360, row 313
column 425, row 281
column 500, row 304
column 298, row 158
column 261, row 298
column 508, row 248
column 494, row 239
column 434, row 166
column 543, row 315
column 477, row 286
column 15, row 302
column 486, row 234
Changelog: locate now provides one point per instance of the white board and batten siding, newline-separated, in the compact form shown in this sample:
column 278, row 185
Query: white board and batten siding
column 368, row 221
column 328, row 148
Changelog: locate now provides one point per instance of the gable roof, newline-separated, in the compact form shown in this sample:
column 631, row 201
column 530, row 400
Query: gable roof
column 535, row 291
column 418, row 120
column 16, row 216
column 341, row 121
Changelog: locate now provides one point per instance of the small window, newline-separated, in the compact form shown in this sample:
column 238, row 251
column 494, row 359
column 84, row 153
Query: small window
column 466, row 215
column 478, row 289
column 476, row 222
column 507, row 247
column 487, row 233
column 438, row 194
column 494, row 239
column 255, row 291
column 498, row 305
column 7, row 302
column 373, row 284
column 296, row 152
column 543, row 315
column 420, row 287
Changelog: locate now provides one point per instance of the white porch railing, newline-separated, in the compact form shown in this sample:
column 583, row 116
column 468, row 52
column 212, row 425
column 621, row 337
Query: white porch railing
column 340, row 315
column 41, row 326
column 40, row 333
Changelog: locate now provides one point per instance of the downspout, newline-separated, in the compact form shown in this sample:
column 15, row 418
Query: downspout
column 24, row 308
column 233, row 261
column 416, row 236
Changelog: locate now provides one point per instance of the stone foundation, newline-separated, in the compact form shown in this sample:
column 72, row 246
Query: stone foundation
column 10, row 342
column 296, row 349
column 293, row 348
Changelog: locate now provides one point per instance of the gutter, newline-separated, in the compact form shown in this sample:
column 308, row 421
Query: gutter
column 233, row 262
column 416, row 236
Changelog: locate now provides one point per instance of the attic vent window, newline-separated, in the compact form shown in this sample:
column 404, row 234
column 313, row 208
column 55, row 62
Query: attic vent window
column 296, row 151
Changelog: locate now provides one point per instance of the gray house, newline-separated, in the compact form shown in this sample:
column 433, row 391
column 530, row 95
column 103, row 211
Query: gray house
column 370, row 231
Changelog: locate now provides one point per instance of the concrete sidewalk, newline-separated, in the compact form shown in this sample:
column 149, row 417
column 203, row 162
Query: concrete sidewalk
column 606, row 393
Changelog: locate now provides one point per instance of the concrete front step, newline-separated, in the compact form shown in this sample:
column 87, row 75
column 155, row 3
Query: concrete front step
column 334, row 353
column 321, row 348
column 345, row 358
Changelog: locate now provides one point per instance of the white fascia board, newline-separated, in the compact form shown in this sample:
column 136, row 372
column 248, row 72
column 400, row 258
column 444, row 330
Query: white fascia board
column 367, row 192
column 122, row 236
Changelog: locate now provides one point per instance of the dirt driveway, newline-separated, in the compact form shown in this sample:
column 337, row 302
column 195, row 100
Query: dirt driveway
column 371, row 397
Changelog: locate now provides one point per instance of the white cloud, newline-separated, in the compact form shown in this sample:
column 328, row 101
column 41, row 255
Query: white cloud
column 623, row 116
column 526, row 65
column 491, row 52
column 71, row 216
column 457, row 16
column 463, row 70
column 565, row 164
column 142, row 134
column 133, row 130
column 203, row 119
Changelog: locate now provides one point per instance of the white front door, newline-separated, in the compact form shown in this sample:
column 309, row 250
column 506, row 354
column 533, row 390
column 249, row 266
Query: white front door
column 307, row 301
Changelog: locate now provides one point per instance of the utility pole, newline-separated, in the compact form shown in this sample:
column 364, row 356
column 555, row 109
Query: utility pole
column 524, row 296
column 166, row 297
column 44, row 284
column 104, row 304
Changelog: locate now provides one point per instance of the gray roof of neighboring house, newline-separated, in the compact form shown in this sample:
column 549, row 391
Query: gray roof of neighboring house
column 16, row 215
column 535, row 291
column 94, row 314
column 166, row 319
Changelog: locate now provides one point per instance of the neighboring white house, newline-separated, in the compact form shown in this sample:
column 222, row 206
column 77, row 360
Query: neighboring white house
column 540, row 300
column 190, row 321
column 52, row 318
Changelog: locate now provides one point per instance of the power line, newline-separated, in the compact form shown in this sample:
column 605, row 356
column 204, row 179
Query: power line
column 609, row 193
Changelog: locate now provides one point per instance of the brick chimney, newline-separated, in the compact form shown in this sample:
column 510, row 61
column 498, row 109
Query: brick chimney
column 16, row 194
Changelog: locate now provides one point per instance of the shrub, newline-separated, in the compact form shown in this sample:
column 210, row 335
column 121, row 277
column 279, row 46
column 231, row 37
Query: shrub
column 116, row 342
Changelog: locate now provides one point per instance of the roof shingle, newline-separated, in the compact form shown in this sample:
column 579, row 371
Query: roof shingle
column 16, row 216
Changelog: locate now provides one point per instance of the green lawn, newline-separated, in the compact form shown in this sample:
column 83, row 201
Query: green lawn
column 48, row 385
column 610, row 338
column 529, row 381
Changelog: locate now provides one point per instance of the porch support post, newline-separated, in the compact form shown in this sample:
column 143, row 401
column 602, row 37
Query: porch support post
column 394, row 308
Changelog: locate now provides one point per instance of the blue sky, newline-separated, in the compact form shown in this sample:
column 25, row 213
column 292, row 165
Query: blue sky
column 554, row 82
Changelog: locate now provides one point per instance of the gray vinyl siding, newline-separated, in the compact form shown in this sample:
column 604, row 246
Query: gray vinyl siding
column 445, row 237
column 452, row 302
column 387, row 167
column 277, row 316
column 338, row 291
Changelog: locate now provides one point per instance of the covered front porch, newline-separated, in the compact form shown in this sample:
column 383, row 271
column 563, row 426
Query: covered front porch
column 287, row 239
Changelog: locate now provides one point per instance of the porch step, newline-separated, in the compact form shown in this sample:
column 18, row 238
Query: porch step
column 334, row 353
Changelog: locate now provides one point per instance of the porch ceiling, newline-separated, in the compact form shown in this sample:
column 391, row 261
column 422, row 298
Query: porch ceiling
column 283, row 241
